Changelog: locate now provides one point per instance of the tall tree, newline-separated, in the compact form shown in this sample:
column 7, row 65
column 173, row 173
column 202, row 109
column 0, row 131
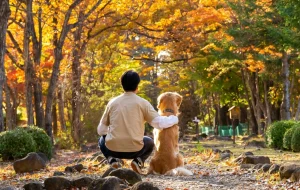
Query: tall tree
column 58, row 54
column 4, row 15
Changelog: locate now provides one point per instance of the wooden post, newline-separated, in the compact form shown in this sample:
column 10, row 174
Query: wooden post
column 196, row 121
column 235, row 123
column 234, row 113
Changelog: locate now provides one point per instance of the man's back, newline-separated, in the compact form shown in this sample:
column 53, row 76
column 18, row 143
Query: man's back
column 126, row 115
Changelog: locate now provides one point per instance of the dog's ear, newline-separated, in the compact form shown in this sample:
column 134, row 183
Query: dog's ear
column 159, row 100
column 178, row 99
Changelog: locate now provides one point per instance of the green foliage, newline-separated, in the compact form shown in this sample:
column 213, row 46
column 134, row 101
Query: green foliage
column 276, row 131
column 42, row 140
column 64, row 140
column 295, row 143
column 287, row 139
column 16, row 144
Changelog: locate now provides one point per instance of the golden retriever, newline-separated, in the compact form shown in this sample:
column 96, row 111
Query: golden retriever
column 167, row 159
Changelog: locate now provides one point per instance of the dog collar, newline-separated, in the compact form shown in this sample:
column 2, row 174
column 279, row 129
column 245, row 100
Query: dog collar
column 168, row 110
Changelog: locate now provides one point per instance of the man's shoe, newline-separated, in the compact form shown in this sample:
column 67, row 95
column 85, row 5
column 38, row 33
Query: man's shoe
column 137, row 164
column 114, row 162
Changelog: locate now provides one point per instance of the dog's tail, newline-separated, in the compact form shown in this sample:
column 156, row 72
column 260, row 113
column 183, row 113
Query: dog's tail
column 180, row 171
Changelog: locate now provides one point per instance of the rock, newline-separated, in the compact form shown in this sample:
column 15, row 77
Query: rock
column 43, row 156
column 248, row 153
column 225, row 156
column 97, row 184
column 286, row 171
column 33, row 186
column 246, row 166
column 130, row 176
column 123, row 186
column 70, row 169
column 256, row 143
column 256, row 160
column 216, row 151
column 57, row 183
column 58, row 173
column 111, row 183
column 98, row 158
column 75, row 168
column 144, row 186
column 265, row 167
column 8, row 188
column 82, row 182
column 31, row 162
column 241, row 157
column 106, row 173
column 274, row 169
column 257, row 167
column 227, row 151
column 296, row 175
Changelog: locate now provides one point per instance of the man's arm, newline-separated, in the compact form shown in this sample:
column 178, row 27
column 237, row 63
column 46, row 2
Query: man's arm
column 102, row 128
column 162, row 122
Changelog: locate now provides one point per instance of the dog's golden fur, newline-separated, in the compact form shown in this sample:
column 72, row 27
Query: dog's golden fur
column 166, row 156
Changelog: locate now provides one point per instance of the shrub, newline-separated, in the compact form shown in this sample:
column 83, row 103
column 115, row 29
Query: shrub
column 42, row 140
column 295, row 143
column 275, row 132
column 287, row 139
column 16, row 144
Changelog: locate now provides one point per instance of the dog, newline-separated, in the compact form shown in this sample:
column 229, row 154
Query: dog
column 167, row 159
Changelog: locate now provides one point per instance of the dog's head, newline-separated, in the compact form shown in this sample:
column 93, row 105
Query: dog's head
column 169, row 101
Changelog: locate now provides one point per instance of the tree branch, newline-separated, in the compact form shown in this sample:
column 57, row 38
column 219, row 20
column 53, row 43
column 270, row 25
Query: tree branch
column 14, row 41
column 14, row 60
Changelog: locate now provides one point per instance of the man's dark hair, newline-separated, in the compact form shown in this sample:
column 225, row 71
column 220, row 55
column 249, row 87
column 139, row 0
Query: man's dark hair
column 130, row 81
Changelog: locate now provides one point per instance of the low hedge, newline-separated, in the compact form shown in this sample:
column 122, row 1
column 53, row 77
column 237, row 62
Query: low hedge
column 42, row 140
column 287, row 139
column 276, row 131
column 21, row 141
column 16, row 144
column 295, row 143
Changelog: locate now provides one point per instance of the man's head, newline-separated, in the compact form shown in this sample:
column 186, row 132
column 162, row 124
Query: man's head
column 130, row 81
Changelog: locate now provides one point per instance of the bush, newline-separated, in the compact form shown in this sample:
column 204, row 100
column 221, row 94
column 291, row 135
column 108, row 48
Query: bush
column 42, row 140
column 287, row 139
column 275, row 133
column 16, row 144
column 295, row 143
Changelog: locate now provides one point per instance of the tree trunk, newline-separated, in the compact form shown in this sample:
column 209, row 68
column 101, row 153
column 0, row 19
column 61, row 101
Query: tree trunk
column 285, row 105
column 37, row 52
column 28, row 64
column 297, row 115
column 268, row 109
column 4, row 15
column 250, row 103
column 55, row 70
column 60, row 97
column 11, row 110
column 76, row 82
column 54, row 116
column 223, row 116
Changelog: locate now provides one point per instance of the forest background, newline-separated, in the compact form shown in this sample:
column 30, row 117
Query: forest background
column 61, row 60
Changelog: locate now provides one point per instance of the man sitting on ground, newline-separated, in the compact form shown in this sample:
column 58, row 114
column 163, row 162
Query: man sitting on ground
column 122, row 125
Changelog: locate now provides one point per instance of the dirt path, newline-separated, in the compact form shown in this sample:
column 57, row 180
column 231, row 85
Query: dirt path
column 210, row 172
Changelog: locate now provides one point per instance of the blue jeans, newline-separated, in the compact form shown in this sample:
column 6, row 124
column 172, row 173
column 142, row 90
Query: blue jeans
column 144, row 153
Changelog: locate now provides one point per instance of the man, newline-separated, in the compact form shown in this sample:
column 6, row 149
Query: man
column 122, row 125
